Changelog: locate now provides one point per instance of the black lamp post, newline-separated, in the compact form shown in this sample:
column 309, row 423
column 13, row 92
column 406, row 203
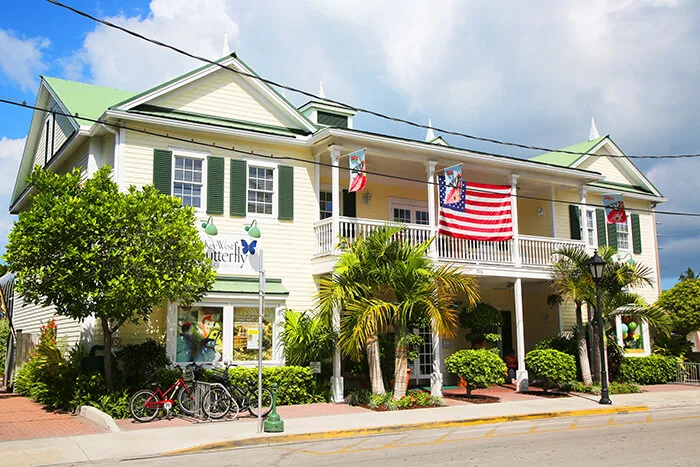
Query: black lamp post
column 597, row 265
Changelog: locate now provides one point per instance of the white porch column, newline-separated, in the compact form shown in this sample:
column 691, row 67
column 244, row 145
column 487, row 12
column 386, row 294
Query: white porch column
column 521, row 374
column 514, row 214
column 317, row 186
column 335, row 187
column 553, row 211
column 432, row 208
column 337, row 384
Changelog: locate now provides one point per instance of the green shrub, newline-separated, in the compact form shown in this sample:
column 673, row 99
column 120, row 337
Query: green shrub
column 296, row 384
column 654, row 369
column 139, row 363
column 4, row 335
column 563, row 343
column 383, row 401
column 478, row 368
column 359, row 397
column 551, row 366
column 613, row 388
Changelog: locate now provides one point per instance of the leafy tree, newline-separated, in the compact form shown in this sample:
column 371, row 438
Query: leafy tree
column 682, row 303
column 4, row 269
column 91, row 250
column 688, row 274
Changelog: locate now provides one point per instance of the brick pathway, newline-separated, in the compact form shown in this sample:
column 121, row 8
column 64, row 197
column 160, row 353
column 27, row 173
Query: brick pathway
column 21, row 418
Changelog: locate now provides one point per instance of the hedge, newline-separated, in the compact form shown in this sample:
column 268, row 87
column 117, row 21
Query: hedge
column 551, row 366
column 296, row 384
column 654, row 369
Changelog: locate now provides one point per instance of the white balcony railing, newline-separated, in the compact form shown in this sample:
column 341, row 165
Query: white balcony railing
column 534, row 251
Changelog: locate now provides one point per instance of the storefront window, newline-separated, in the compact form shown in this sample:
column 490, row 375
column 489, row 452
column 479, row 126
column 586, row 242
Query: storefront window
column 199, row 334
column 245, row 333
column 632, row 332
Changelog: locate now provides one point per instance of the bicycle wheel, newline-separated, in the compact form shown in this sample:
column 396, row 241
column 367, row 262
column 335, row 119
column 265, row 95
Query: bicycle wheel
column 139, row 410
column 217, row 403
column 266, row 402
column 186, row 401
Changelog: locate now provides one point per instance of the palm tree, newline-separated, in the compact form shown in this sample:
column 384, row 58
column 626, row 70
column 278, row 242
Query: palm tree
column 306, row 338
column 571, row 280
column 388, row 285
column 688, row 274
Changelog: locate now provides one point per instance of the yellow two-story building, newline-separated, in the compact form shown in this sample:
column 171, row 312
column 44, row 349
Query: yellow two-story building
column 229, row 145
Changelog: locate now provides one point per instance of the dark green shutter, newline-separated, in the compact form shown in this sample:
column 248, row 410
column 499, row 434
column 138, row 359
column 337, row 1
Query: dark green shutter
column 163, row 170
column 575, row 222
column 612, row 236
column 600, row 224
column 286, row 193
column 636, row 235
column 238, row 187
column 215, row 185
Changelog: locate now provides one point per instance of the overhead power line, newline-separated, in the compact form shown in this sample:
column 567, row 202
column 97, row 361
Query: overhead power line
column 351, row 107
column 252, row 153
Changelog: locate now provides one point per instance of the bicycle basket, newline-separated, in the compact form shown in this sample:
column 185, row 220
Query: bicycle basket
column 219, row 375
column 188, row 374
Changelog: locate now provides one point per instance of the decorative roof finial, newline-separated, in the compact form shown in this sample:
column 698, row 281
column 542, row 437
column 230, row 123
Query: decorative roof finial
column 225, row 51
column 430, row 134
column 594, row 131
column 321, row 92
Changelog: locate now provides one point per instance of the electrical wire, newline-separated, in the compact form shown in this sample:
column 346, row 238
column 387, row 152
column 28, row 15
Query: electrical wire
column 351, row 107
column 252, row 153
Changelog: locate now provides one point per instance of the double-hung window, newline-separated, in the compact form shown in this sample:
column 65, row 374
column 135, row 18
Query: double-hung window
column 188, row 181
column 623, row 236
column 590, row 228
column 261, row 190
column 325, row 204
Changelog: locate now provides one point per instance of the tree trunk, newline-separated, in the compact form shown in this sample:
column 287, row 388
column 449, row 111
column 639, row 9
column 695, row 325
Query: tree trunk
column 107, row 345
column 400, row 367
column 583, row 348
column 375, row 369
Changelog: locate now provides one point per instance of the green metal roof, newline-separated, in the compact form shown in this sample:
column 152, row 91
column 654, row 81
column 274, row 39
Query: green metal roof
column 86, row 100
column 247, row 285
column 564, row 159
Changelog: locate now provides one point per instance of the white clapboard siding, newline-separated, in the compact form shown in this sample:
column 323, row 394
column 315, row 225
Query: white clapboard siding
column 29, row 318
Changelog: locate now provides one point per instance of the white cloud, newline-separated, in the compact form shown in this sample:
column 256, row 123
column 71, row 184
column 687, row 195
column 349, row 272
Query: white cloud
column 111, row 58
column 10, row 155
column 21, row 60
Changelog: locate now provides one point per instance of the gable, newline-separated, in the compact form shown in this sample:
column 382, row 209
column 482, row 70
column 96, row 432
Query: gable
column 220, row 95
column 210, row 92
column 573, row 154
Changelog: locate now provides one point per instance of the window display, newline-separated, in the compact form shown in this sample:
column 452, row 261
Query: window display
column 199, row 334
column 245, row 333
column 631, row 331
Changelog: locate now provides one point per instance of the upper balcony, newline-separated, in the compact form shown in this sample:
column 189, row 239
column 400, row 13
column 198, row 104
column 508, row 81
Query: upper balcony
column 533, row 257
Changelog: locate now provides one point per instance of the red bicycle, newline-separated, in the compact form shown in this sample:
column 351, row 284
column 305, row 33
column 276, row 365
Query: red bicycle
column 146, row 404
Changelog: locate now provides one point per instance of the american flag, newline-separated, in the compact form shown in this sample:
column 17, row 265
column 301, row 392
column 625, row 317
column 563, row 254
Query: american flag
column 482, row 212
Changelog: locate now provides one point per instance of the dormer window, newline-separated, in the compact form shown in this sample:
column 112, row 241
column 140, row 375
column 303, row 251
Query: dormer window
column 331, row 119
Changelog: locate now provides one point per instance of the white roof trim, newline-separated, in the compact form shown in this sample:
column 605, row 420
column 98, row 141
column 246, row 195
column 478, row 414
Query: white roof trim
column 285, row 106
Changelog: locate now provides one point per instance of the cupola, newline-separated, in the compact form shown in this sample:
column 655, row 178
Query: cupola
column 327, row 114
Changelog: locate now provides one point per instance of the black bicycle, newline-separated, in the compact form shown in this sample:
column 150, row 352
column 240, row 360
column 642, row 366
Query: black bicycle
column 224, row 395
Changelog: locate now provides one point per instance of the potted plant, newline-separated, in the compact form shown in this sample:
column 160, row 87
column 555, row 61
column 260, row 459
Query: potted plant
column 482, row 321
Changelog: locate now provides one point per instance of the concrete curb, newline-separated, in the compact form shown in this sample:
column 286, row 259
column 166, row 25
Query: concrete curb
column 99, row 417
column 268, row 440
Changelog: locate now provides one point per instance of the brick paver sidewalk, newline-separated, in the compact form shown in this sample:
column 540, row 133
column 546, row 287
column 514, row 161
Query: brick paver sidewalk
column 21, row 418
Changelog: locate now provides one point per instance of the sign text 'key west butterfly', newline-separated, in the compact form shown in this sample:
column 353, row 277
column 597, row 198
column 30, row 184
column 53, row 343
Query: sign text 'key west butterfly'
column 231, row 254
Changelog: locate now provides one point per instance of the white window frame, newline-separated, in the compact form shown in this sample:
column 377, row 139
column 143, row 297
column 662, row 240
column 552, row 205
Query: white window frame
column 275, row 187
column 190, row 154
column 629, row 235
column 592, row 227
column 645, row 338
column 410, row 204
column 320, row 192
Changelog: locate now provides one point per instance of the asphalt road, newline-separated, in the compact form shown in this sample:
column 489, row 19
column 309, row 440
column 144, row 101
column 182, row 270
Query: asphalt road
column 663, row 437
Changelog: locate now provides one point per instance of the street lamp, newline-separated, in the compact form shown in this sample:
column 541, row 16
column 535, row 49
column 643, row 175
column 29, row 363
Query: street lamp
column 597, row 265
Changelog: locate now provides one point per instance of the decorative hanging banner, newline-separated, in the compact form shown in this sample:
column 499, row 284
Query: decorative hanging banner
column 453, row 183
column 358, row 175
column 614, row 208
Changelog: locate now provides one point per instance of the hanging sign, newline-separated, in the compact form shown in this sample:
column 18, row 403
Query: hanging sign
column 253, row 338
column 230, row 254
column 453, row 184
column 614, row 208
column 358, row 175
column 315, row 367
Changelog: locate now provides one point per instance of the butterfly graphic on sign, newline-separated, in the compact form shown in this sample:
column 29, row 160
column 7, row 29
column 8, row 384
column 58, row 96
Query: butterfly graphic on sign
column 249, row 247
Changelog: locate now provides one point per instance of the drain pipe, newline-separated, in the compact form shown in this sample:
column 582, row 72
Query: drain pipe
column 117, row 153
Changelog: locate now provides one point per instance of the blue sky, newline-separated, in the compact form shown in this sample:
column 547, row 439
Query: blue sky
column 508, row 70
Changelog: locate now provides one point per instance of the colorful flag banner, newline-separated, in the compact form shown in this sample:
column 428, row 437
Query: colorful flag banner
column 482, row 212
column 358, row 175
column 453, row 183
column 614, row 208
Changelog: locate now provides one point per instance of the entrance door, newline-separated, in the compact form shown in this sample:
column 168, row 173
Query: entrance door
column 408, row 211
column 423, row 366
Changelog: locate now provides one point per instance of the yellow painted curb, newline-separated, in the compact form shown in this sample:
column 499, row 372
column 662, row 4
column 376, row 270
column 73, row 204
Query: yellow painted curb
column 326, row 435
